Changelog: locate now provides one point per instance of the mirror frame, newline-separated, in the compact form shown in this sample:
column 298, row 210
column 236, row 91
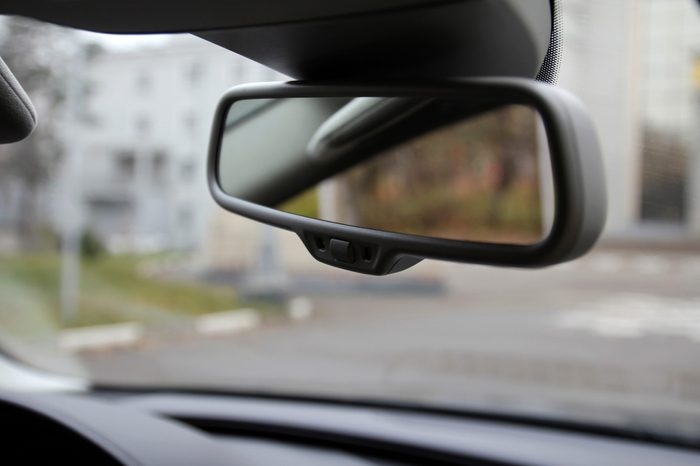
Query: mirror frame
column 577, row 171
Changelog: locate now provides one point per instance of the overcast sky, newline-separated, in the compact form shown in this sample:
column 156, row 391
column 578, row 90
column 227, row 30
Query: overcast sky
column 125, row 41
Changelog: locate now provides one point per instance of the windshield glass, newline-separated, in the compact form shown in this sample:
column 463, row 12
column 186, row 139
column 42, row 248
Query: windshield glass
column 116, row 265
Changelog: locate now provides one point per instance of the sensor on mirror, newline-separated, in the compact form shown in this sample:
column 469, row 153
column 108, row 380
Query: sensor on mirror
column 399, row 174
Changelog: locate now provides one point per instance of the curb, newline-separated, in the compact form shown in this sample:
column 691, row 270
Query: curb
column 227, row 322
column 130, row 334
column 101, row 336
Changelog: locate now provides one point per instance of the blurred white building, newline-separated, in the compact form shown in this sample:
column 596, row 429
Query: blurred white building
column 633, row 62
column 142, row 141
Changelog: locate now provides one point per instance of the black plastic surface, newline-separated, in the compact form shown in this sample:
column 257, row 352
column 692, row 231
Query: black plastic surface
column 179, row 429
column 441, row 40
column 579, row 186
column 139, row 16
column 342, row 251
column 30, row 437
column 427, row 439
column 309, row 39
column 17, row 115
column 94, row 432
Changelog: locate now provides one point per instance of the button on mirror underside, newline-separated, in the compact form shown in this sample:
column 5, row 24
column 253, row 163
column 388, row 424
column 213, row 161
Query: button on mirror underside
column 342, row 251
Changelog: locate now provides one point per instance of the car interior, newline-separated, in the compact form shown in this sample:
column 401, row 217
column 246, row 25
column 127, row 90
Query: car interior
column 401, row 140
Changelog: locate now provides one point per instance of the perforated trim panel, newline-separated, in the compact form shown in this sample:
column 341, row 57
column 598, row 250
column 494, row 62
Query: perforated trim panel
column 549, row 71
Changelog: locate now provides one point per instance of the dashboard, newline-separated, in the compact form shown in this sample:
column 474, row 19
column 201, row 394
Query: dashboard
column 183, row 429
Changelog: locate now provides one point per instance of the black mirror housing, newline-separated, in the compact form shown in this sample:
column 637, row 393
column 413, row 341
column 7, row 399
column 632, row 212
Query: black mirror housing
column 578, row 181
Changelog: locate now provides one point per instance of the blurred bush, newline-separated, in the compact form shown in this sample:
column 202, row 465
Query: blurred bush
column 91, row 247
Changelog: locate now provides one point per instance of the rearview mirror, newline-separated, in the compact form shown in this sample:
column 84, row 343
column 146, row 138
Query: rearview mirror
column 375, row 178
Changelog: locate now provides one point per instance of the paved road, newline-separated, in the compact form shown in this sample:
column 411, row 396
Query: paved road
column 613, row 336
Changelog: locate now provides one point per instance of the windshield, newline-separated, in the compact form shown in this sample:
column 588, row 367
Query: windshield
column 117, row 266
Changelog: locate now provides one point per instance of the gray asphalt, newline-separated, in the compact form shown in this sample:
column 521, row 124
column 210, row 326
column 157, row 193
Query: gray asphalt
column 613, row 337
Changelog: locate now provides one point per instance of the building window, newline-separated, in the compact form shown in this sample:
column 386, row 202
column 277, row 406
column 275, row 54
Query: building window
column 125, row 165
column 664, row 168
column 185, row 225
column 237, row 71
column 189, row 121
column 187, row 170
column 143, row 126
column 185, row 217
column 195, row 72
column 143, row 82
column 160, row 167
column 88, row 89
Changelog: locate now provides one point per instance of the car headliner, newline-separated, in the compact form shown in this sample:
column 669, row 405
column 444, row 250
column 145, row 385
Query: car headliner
column 307, row 39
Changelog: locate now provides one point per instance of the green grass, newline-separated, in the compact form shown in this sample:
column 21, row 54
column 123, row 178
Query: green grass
column 112, row 289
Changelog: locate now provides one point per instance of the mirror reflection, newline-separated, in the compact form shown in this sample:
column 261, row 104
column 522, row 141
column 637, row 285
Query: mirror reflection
column 440, row 167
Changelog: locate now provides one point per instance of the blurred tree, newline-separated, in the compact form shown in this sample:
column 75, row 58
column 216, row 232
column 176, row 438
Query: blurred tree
column 40, row 56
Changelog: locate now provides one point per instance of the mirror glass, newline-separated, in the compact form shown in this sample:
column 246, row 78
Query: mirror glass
column 439, row 167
